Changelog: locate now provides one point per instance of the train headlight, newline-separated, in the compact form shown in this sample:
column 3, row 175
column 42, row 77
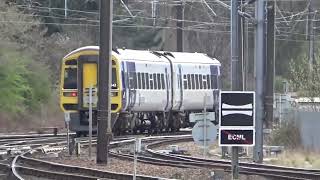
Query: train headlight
column 70, row 94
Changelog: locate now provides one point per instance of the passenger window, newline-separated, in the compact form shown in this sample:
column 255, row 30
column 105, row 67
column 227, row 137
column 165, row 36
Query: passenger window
column 163, row 82
column 159, row 81
column 147, row 80
column 204, row 82
column 139, row 81
column 185, row 82
column 200, row 81
column 132, row 80
column 189, row 81
column 155, row 81
column 151, row 81
column 143, row 81
column 192, row 81
column 208, row 81
column 197, row 81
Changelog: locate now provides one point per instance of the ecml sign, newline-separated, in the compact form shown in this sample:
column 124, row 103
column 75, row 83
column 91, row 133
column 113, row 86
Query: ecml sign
column 237, row 118
column 230, row 137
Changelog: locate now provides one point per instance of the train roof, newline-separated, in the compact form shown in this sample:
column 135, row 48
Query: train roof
column 145, row 55
column 186, row 57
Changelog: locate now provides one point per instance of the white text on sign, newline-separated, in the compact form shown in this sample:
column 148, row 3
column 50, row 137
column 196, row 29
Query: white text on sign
column 236, row 137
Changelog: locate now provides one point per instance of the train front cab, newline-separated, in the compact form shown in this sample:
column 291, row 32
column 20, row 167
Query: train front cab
column 79, row 73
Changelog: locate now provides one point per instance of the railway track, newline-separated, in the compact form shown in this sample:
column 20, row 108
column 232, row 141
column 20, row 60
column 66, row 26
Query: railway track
column 270, row 171
column 28, row 166
column 25, row 167
column 4, row 170
column 182, row 161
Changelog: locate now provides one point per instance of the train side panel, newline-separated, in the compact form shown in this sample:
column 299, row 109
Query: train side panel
column 146, row 81
column 196, row 76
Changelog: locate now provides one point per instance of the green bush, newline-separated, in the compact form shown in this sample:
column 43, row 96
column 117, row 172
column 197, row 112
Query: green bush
column 24, row 83
column 288, row 135
column 13, row 85
column 39, row 80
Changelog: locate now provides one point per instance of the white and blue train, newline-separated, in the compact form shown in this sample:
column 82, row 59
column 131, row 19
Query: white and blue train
column 151, row 90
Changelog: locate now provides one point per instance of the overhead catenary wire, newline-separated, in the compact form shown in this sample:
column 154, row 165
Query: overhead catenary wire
column 196, row 26
column 142, row 17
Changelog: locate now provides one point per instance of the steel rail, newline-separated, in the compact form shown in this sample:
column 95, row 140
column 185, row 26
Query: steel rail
column 51, row 174
column 266, row 170
column 191, row 164
column 41, row 166
column 16, row 136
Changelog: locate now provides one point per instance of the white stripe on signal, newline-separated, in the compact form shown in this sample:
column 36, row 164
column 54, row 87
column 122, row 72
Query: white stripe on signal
column 246, row 106
column 249, row 113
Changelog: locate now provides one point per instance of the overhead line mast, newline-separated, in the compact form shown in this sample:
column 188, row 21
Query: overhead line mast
column 180, row 18
column 259, row 62
column 236, row 78
column 104, row 82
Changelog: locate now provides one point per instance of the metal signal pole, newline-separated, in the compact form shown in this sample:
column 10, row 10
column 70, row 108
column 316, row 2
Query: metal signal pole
column 104, row 81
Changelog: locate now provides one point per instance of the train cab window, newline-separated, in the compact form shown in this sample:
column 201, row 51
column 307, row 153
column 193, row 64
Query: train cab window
column 193, row 84
column 139, row 81
column 200, row 81
column 208, row 81
column 147, row 80
column 159, row 81
column 204, row 79
column 71, row 62
column 214, row 83
column 189, row 81
column 197, row 81
column 143, row 82
column 151, row 81
column 185, row 82
column 114, row 79
column 155, row 81
column 163, row 82
column 214, row 69
column 70, row 78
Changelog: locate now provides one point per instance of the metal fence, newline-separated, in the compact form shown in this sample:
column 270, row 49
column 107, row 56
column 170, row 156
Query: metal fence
column 297, row 121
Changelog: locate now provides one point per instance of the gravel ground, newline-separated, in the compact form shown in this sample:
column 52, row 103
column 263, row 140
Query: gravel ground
column 3, row 176
column 194, row 150
column 213, row 151
column 125, row 166
column 34, row 178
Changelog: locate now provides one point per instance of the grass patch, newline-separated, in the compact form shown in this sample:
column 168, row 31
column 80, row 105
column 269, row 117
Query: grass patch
column 299, row 158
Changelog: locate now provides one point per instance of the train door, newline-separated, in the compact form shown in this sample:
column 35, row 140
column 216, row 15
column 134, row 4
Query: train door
column 87, row 72
column 132, row 85
column 178, row 88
